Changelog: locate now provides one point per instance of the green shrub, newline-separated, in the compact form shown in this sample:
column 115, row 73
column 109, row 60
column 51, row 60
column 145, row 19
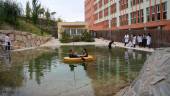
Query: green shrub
column 76, row 38
column 65, row 38
column 87, row 37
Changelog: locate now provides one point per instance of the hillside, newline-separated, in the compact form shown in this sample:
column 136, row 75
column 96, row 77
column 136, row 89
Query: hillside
column 24, row 26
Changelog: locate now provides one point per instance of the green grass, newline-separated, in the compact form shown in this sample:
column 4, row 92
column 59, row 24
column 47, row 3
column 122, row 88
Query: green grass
column 22, row 25
column 29, row 27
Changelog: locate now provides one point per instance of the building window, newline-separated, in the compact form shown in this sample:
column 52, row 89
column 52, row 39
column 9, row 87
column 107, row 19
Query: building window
column 95, row 7
column 141, row 16
column 123, row 19
column 135, row 2
column 164, row 5
column 105, row 12
column 137, row 17
column 96, row 16
column 100, row 14
column 113, row 8
column 123, row 4
column 105, row 2
column 114, row 22
column 100, row 3
column 155, row 13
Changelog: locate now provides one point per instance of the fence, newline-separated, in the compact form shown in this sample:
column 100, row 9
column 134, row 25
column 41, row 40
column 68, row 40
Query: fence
column 160, row 38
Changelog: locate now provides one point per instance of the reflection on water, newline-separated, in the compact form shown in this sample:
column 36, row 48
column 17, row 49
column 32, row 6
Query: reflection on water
column 43, row 73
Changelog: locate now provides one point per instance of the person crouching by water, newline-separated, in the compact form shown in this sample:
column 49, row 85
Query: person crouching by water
column 7, row 42
column 110, row 44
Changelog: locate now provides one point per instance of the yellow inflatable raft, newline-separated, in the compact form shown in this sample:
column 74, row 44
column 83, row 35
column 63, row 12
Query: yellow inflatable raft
column 86, row 59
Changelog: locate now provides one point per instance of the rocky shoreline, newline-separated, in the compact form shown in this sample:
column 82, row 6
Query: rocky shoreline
column 154, row 78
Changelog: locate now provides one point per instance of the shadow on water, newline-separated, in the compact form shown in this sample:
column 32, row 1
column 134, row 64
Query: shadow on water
column 29, row 73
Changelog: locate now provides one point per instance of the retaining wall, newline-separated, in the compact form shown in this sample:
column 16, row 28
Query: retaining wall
column 23, row 39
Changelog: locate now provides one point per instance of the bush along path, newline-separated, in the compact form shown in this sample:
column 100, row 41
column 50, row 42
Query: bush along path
column 84, row 37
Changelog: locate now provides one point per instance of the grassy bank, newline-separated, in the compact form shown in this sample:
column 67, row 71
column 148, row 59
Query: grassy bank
column 36, row 20
column 24, row 26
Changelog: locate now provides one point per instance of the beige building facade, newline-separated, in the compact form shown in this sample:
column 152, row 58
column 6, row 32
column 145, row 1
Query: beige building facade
column 71, row 28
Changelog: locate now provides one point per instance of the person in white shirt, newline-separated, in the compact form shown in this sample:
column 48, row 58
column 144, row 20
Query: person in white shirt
column 126, row 39
column 134, row 40
column 148, row 38
column 130, row 44
column 7, row 42
column 139, row 40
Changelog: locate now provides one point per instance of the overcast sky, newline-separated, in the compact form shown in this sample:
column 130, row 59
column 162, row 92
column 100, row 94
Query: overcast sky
column 69, row 10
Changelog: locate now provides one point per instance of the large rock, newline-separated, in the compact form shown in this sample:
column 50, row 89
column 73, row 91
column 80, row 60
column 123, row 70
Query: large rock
column 154, row 78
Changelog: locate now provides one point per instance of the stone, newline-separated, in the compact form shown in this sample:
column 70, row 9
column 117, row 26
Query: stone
column 154, row 78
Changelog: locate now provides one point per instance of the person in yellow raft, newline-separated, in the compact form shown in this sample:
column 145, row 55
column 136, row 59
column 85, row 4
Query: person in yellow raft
column 84, row 53
column 73, row 54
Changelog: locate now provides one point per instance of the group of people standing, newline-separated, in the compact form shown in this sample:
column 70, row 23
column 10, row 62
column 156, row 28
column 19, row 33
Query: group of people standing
column 140, row 40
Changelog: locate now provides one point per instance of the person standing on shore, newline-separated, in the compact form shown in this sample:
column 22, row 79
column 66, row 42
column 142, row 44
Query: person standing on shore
column 148, row 37
column 7, row 42
column 134, row 41
column 139, row 40
column 126, row 39
column 144, row 40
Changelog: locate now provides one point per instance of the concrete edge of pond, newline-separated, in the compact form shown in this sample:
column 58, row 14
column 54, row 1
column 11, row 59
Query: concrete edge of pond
column 154, row 78
column 98, row 42
column 54, row 43
column 23, row 49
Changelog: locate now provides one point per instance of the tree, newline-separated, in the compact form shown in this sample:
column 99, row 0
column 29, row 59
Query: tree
column 59, row 20
column 28, row 11
column 41, row 12
column 36, row 7
column 1, row 11
column 9, row 11
column 47, row 15
column 52, row 14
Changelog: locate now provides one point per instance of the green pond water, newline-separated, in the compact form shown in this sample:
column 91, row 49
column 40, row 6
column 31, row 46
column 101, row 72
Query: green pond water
column 42, row 72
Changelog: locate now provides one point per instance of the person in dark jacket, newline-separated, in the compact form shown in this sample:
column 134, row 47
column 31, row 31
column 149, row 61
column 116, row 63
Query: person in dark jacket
column 110, row 44
column 72, row 54
column 144, row 40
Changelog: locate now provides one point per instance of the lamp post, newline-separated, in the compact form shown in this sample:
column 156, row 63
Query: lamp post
column 110, row 19
column 110, row 27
